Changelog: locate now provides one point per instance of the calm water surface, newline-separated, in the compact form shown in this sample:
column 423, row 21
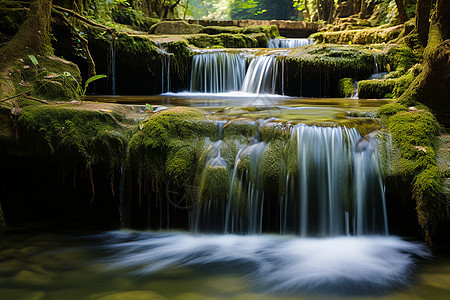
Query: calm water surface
column 234, row 104
column 67, row 264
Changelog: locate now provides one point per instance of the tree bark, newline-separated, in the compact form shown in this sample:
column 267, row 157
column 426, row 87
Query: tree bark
column 423, row 8
column 401, row 11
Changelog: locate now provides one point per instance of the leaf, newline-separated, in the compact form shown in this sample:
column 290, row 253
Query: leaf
column 93, row 78
column 33, row 59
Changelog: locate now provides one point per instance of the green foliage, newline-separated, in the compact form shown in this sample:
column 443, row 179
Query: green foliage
column 261, row 9
column 82, row 90
column 345, row 87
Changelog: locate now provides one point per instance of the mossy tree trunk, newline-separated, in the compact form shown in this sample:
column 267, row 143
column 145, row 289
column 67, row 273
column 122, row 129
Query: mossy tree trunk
column 431, row 86
column 33, row 36
column 423, row 8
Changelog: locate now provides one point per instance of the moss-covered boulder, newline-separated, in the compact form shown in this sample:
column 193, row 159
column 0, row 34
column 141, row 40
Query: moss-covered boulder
column 365, row 36
column 315, row 70
column 384, row 88
column 72, row 136
column 415, row 135
column 170, row 143
column 215, row 184
column 175, row 27
column 223, row 40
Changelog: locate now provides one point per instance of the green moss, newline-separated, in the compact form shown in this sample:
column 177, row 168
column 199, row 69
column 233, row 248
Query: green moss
column 391, row 109
column 400, row 58
column 160, row 138
column 415, row 135
column 414, row 129
column 175, row 27
column 226, row 40
column 72, row 136
column 375, row 35
column 345, row 87
column 182, row 159
column 332, row 59
column 272, row 168
column 384, row 88
column 230, row 150
column 237, row 129
column 215, row 184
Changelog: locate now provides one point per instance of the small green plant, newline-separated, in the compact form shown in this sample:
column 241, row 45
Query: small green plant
column 148, row 108
column 82, row 90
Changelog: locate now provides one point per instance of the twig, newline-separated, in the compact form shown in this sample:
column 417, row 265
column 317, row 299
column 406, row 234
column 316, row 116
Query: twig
column 84, row 46
column 15, row 96
column 80, row 17
column 36, row 99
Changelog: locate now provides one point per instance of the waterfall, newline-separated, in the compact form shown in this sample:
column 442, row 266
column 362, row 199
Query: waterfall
column 261, row 75
column 166, row 58
column 112, row 66
column 165, row 73
column 217, row 72
column 289, row 43
column 329, row 184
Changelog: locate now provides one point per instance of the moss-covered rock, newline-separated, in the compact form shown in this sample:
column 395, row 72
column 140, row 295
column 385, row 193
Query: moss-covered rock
column 375, row 35
column 72, row 136
column 346, row 87
column 273, row 169
column 215, row 184
column 415, row 135
column 159, row 139
column 225, row 40
column 391, row 109
column 175, row 27
column 384, row 88
column 315, row 70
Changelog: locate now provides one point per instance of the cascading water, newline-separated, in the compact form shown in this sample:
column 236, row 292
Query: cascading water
column 166, row 58
column 261, row 75
column 112, row 66
column 329, row 184
column 289, row 43
column 217, row 72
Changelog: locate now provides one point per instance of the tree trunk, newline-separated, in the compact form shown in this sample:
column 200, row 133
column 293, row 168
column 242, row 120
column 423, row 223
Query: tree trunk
column 33, row 36
column 363, row 10
column 423, row 8
column 401, row 11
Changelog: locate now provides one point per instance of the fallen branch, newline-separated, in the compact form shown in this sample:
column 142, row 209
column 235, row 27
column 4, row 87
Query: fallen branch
column 15, row 96
column 80, row 17
column 84, row 46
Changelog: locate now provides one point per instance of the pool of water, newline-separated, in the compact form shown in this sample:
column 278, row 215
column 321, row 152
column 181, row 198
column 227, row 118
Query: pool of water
column 68, row 264
column 277, row 107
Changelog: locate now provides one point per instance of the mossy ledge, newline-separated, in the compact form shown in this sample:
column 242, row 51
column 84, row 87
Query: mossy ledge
column 415, row 135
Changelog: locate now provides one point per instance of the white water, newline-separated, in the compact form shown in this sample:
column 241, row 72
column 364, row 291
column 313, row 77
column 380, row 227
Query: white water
column 289, row 43
column 345, row 266
column 332, row 187
column 217, row 72
column 113, row 67
column 261, row 76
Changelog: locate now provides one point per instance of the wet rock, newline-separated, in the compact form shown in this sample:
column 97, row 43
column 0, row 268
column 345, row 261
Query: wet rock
column 21, row 294
column 29, row 278
column 131, row 295
column 11, row 265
